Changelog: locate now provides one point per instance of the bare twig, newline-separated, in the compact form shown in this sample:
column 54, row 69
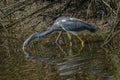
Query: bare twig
column 32, row 14
column 106, row 42
column 12, row 6
column 16, row 9
column 108, row 6
column 112, row 33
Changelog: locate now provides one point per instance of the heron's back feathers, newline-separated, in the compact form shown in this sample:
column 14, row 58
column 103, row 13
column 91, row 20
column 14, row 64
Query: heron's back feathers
column 73, row 24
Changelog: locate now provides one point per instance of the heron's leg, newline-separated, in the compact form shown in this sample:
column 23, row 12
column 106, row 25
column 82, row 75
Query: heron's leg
column 69, row 36
column 82, row 42
column 70, row 43
column 56, row 41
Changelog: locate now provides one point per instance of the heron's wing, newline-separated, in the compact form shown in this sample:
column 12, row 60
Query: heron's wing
column 73, row 25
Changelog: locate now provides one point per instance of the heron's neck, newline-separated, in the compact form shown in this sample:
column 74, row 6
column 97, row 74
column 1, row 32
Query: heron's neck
column 37, row 35
column 43, row 34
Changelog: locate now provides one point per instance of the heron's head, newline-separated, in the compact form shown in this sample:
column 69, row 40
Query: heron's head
column 28, row 40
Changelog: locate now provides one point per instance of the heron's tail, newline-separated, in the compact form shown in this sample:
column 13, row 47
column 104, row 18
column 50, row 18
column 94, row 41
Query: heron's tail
column 90, row 28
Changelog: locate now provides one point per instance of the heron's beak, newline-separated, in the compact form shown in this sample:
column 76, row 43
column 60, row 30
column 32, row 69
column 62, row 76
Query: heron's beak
column 24, row 48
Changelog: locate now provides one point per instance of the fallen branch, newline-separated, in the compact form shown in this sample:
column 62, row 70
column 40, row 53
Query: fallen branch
column 30, row 15
column 112, row 33
column 23, row 4
column 105, row 43
column 13, row 6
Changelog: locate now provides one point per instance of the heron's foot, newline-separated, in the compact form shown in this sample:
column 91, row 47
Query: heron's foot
column 70, row 44
column 82, row 46
column 70, row 50
column 24, row 48
column 82, row 43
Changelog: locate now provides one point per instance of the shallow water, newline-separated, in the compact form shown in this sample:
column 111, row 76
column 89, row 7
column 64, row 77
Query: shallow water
column 47, row 62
